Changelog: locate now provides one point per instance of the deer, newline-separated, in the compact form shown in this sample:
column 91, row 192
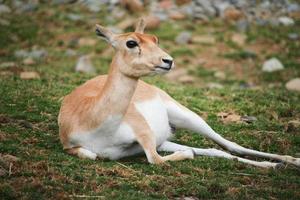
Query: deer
column 118, row 115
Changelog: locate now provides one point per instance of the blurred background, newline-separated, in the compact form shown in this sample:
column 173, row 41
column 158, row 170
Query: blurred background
column 237, row 66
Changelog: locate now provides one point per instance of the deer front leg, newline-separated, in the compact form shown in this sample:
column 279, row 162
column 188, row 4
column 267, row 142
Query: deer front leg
column 146, row 138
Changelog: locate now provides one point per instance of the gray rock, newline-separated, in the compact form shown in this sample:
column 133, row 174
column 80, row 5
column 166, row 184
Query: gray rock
column 85, row 65
column 21, row 53
column 207, row 7
column 293, row 36
column 28, row 7
column 93, row 5
column 38, row 54
column 74, row 17
column 286, row 21
column 248, row 119
column 272, row 65
column 58, row 2
column 183, row 37
column 4, row 9
column 221, row 6
column 293, row 7
column 70, row 53
column 242, row 25
column 293, row 85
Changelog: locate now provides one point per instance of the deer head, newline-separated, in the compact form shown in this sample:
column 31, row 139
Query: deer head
column 137, row 54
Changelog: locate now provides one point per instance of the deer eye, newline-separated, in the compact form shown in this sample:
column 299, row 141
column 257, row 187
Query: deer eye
column 131, row 44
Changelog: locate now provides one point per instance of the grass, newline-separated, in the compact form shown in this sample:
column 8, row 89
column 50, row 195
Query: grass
column 29, row 130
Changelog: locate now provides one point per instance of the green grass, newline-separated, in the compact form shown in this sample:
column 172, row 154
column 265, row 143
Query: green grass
column 29, row 130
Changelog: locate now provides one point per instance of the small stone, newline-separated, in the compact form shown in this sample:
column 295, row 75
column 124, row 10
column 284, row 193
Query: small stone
column 38, row 54
column 207, row 7
column 21, row 53
column 133, row 5
column 152, row 22
column 239, row 38
column 28, row 61
column 8, row 65
column 221, row 7
column 183, row 37
column 70, row 53
column 214, row 85
column 84, row 65
column 176, row 15
column 272, row 65
column 220, row 75
column 233, row 14
column 87, row 42
column 286, row 21
column 29, row 75
column 204, row 39
column 4, row 9
column 293, row 85
column 293, row 36
column 248, row 119
column 242, row 25
column 74, row 17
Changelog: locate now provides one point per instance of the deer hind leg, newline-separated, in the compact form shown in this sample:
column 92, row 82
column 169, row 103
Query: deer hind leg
column 173, row 147
column 82, row 153
column 183, row 118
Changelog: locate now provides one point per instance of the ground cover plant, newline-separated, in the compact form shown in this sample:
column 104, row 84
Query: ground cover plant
column 34, row 166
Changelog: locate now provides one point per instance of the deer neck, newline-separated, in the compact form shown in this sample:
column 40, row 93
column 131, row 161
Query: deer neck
column 116, row 95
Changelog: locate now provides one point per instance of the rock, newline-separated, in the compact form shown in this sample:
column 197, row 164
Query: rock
column 233, row 14
column 28, row 61
column 152, row 22
column 87, row 42
column 286, row 21
column 21, row 53
column 293, row 85
column 133, row 5
column 166, row 4
column 293, row 7
column 248, row 119
column 207, row 7
column 7, row 65
column 204, row 39
column 70, row 53
column 183, row 37
column 4, row 9
column 29, row 75
column 182, row 2
column 38, row 54
column 74, row 17
column 93, row 5
column 272, row 65
column 59, row 2
column 221, row 7
column 242, row 25
column 84, row 65
column 186, row 79
column 239, row 38
column 213, row 85
column 176, row 15
column 293, row 36
column 220, row 75
column 28, row 7
column 229, row 117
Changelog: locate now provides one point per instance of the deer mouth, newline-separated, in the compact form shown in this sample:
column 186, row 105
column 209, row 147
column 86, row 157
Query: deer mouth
column 164, row 68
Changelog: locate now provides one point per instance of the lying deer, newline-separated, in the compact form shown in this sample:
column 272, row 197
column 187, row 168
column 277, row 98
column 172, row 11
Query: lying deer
column 117, row 115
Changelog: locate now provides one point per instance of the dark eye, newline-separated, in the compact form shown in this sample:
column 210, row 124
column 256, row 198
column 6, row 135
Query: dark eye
column 131, row 44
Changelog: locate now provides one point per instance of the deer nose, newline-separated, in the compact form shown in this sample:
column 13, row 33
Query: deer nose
column 168, row 61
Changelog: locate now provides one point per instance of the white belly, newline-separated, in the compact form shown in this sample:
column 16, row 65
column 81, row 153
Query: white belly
column 155, row 113
column 110, row 141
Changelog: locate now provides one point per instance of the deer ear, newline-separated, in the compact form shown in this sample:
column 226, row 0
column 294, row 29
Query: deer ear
column 140, row 26
column 104, row 33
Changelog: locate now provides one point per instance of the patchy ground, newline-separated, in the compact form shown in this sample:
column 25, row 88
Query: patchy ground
column 223, row 81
